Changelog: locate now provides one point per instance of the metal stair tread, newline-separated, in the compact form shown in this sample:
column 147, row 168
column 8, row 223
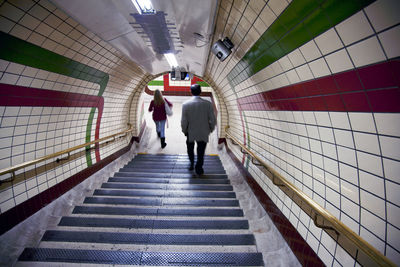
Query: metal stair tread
column 153, row 223
column 148, row 238
column 158, row 211
column 162, row 202
column 141, row 258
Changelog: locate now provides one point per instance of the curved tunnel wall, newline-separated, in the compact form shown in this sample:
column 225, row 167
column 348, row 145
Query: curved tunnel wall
column 313, row 88
column 60, row 86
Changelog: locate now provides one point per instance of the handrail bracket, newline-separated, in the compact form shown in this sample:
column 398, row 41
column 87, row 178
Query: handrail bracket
column 322, row 226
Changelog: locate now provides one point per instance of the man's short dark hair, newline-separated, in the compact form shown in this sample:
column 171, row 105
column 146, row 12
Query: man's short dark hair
column 195, row 89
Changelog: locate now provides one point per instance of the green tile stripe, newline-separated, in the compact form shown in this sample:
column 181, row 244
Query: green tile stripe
column 299, row 23
column 156, row 83
column 19, row 51
column 203, row 84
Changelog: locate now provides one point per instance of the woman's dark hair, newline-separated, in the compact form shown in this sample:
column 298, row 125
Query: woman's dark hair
column 195, row 89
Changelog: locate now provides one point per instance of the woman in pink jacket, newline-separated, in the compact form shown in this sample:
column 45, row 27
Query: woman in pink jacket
column 159, row 115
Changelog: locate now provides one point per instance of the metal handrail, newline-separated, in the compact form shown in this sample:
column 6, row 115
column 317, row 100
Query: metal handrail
column 14, row 168
column 340, row 229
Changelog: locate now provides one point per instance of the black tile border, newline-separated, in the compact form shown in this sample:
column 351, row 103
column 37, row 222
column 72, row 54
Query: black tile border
column 304, row 253
column 19, row 213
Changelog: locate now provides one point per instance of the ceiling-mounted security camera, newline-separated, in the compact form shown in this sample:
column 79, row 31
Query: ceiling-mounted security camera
column 222, row 49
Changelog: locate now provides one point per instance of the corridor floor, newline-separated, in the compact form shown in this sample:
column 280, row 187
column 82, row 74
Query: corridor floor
column 175, row 139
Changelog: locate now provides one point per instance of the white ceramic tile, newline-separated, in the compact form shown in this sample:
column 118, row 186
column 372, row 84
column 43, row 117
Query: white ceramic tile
column 331, row 166
column 317, row 161
column 326, row 134
column 343, row 258
column 366, row 52
column 310, row 51
column 339, row 61
column 390, row 147
column 363, row 122
column 393, row 214
column 296, row 58
column 354, row 28
column 372, row 183
column 333, row 197
column 15, row 68
column 304, row 72
column 4, row 206
column 325, row 256
column 285, row 63
column 350, row 208
column 392, row 194
column 277, row 6
column 370, row 163
column 329, row 150
column 393, row 235
column 392, row 169
column 346, row 155
column 328, row 41
column 383, row 13
column 350, row 191
column 373, row 223
column 372, row 203
column 309, row 117
column 323, row 118
column 267, row 16
column 9, row 78
column 388, row 123
column 390, row 40
column 344, row 138
column 340, row 120
column 292, row 76
column 348, row 173
column 4, row 64
column 11, row 12
column 367, row 142
column 332, row 182
column 319, row 68
column 6, row 24
column 312, row 131
column 319, row 189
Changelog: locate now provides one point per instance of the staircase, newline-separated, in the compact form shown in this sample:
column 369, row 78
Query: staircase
column 154, row 212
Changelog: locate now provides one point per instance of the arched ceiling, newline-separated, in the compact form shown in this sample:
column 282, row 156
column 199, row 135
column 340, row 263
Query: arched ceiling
column 182, row 27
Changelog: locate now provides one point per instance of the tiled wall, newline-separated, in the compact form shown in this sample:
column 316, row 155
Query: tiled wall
column 60, row 86
column 313, row 88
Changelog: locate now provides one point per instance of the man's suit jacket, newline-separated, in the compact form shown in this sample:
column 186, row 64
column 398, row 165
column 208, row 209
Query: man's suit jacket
column 198, row 119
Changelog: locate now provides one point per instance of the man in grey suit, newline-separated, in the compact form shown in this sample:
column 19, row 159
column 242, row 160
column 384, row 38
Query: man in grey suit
column 198, row 121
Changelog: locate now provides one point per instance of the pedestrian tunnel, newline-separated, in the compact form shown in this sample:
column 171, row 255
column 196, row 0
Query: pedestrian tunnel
column 307, row 139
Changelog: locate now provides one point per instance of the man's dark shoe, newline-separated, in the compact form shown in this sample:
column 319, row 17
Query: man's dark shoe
column 163, row 144
column 191, row 167
column 199, row 170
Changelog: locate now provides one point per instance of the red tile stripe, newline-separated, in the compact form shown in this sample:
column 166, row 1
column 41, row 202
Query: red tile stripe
column 373, row 88
column 20, row 96
column 167, row 87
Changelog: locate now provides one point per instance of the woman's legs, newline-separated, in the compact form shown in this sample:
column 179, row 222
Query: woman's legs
column 160, row 127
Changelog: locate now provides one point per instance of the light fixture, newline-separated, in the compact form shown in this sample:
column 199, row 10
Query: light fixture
column 144, row 6
column 171, row 60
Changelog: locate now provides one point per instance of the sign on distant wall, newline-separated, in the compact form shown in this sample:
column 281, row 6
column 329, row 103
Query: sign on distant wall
column 164, row 83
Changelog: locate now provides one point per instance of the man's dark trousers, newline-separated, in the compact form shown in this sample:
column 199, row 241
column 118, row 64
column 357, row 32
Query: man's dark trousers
column 201, row 148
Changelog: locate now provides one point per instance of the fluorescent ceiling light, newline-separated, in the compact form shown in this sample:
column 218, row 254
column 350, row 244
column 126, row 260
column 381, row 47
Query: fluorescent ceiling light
column 171, row 60
column 144, row 6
